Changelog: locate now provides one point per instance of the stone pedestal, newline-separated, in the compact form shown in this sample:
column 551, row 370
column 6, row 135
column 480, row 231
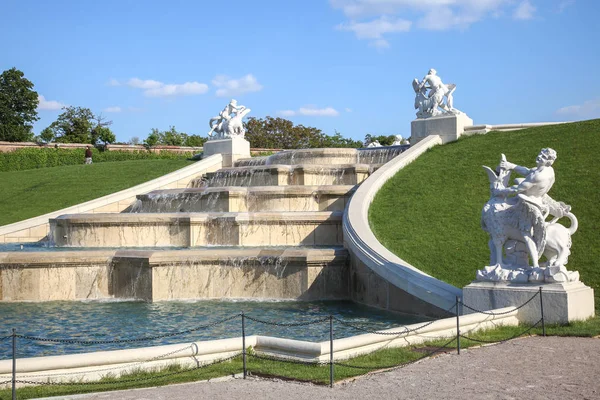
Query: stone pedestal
column 231, row 149
column 563, row 302
column 448, row 126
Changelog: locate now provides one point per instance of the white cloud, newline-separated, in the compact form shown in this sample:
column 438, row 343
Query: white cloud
column 372, row 19
column 49, row 104
column 113, row 82
column 233, row 87
column 287, row 113
column 524, row 10
column 154, row 88
column 375, row 29
column 348, row 110
column 114, row 109
column 311, row 111
column 587, row 110
column 565, row 4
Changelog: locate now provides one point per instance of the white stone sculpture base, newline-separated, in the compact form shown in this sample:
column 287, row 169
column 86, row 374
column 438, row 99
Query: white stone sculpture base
column 448, row 126
column 232, row 149
column 563, row 302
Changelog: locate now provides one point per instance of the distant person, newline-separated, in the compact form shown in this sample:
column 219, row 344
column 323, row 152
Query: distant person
column 88, row 155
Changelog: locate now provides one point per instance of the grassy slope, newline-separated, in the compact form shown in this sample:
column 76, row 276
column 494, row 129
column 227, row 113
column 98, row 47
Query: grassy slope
column 26, row 194
column 437, row 200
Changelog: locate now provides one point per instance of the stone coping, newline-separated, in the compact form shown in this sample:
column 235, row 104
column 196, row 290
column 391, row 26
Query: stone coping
column 288, row 168
column 484, row 128
column 362, row 243
column 187, row 218
column 194, row 169
column 88, row 364
column 66, row 258
column 291, row 190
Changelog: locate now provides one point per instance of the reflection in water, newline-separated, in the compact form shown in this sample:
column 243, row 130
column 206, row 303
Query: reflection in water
column 122, row 320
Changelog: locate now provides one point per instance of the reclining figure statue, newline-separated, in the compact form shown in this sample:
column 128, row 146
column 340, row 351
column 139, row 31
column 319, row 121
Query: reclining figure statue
column 515, row 218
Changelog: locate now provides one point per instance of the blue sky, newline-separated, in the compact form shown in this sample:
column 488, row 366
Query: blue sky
column 343, row 65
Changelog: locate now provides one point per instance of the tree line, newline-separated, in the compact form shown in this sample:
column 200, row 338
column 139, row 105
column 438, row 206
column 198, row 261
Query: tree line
column 18, row 112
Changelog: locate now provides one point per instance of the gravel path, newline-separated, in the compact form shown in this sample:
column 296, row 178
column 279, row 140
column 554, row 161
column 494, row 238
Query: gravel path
column 528, row 368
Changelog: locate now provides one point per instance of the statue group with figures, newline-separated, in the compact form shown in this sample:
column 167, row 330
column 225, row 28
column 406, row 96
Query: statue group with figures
column 433, row 97
column 516, row 218
column 228, row 123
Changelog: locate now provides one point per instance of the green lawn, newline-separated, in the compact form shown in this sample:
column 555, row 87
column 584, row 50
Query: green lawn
column 429, row 212
column 29, row 193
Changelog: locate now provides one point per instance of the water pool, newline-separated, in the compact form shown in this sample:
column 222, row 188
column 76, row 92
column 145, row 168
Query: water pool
column 99, row 320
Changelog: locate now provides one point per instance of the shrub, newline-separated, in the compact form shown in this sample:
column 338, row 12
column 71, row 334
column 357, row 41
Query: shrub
column 31, row 158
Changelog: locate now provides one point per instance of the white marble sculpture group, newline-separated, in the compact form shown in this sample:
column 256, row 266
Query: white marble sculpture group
column 228, row 123
column 433, row 97
column 515, row 218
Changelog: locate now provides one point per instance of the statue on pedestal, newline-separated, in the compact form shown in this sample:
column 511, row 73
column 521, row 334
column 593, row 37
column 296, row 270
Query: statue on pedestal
column 229, row 122
column 515, row 217
column 430, row 95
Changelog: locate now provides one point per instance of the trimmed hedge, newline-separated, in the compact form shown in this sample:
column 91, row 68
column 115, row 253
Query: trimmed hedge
column 31, row 158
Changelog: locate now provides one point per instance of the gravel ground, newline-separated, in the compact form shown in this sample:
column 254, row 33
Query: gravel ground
column 528, row 368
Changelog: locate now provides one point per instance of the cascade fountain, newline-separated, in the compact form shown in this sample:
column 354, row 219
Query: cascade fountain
column 265, row 228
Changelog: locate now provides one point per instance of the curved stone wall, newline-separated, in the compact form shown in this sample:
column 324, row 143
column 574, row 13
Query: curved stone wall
column 380, row 278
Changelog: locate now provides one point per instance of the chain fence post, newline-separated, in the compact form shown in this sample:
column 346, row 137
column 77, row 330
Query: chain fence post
column 331, row 351
column 244, row 343
column 14, row 364
column 457, row 325
column 542, row 311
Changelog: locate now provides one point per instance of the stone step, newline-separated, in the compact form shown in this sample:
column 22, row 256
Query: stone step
column 198, row 229
column 153, row 275
column 327, row 156
column 281, row 175
column 240, row 199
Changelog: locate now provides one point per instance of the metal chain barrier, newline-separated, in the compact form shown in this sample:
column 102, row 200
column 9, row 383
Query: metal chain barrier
column 141, row 379
column 502, row 313
column 113, row 368
column 291, row 324
column 139, row 339
column 437, row 350
column 503, row 340
column 5, row 337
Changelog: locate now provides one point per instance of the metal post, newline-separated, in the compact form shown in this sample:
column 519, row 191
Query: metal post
column 331, row 351
column 542, row 311
column 244, row 343
column 14, row 364
column 457, row 325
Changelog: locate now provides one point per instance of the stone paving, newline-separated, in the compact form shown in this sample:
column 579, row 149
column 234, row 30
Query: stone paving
column 527, row 368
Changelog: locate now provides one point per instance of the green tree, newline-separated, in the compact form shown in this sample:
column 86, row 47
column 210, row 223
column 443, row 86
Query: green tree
column 273, row 133
column 74, row 125
column 18, row 104
column 195, row 141
column 172, row 137
column 47, row 135
column 105, row 135
column 153, row 138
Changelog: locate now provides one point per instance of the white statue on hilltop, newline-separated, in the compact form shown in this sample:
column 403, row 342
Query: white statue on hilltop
column 398, row 140
column 229, row 122
column 515, row 218
column 430, row 104
column 374, row 143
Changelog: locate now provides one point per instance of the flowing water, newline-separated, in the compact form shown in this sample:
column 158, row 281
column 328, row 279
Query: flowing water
column 108, row 320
